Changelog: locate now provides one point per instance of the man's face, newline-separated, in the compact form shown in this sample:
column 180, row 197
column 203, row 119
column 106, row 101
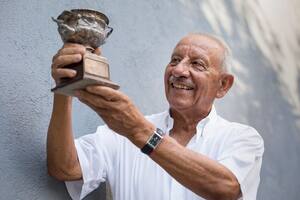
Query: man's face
column 192, row 78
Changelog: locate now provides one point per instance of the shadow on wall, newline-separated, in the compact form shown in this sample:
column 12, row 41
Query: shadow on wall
column 266, row 93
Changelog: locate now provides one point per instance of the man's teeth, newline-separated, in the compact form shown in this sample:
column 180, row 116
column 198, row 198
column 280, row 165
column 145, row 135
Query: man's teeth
column 179, row 86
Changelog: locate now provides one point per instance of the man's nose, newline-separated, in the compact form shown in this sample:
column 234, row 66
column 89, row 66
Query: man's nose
column 181, row 69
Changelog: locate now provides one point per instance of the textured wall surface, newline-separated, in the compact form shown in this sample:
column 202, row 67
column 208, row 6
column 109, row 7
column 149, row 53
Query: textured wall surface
column 264, row 36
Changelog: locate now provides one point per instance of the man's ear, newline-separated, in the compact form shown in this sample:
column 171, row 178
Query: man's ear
column 226, row 82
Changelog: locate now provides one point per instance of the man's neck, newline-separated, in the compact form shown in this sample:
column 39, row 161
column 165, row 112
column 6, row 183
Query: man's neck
column 185, row 125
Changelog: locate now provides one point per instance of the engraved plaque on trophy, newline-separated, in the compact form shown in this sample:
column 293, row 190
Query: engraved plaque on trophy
column 89, row 28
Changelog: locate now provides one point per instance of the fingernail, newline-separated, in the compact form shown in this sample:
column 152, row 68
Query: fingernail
column 89, row 88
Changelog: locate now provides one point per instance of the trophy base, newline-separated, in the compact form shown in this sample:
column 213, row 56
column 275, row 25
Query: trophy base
column 93, row 70
column 69, row 89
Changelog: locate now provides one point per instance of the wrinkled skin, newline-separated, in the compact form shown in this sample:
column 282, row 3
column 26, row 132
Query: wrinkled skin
column 195, row 70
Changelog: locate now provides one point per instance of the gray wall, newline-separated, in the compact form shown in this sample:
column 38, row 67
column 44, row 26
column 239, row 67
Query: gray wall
column 265, row 39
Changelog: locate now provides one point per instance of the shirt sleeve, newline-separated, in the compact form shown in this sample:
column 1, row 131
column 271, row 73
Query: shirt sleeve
column 243, row 156
column 96, row 154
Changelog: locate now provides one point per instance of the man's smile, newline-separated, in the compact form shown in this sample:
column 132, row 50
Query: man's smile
column 181, row 86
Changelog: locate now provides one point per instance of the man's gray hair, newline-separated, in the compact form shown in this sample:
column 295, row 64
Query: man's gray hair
column 227, row 59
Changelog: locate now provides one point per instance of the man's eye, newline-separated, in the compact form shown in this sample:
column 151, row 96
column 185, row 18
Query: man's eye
column 199, row 66
column 174, row 61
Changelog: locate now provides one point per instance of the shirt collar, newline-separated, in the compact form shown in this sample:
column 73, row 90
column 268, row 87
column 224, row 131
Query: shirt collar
column 210, row 118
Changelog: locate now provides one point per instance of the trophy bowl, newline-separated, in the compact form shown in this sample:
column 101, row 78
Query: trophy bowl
column 89, row 28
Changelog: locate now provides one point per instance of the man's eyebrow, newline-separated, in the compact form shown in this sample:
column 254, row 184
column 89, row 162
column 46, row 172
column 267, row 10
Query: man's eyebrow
column 175, row 54
column 201, row 58
column 204, row 59
column 194, row 57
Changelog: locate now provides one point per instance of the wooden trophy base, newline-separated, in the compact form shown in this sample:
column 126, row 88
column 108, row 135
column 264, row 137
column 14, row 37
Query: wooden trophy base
column 93, row 70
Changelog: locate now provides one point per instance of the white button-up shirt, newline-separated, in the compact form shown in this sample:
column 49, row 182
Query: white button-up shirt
column 132, row 175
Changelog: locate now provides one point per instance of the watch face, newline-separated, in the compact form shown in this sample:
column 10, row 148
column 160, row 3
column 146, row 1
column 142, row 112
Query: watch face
column 159, row 131
column 154, row 140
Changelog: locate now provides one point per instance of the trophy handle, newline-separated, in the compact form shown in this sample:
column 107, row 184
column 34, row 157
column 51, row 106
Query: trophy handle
column 89, row 48
column 108, row 30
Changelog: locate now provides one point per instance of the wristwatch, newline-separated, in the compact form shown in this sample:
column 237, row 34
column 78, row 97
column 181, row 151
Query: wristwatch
column 153, row 141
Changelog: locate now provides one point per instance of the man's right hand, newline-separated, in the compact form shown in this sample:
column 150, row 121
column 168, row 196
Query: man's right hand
column 62, row 161
column 70, row 53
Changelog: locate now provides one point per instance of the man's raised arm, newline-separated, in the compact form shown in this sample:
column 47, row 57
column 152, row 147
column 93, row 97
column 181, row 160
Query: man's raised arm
column 62, row 161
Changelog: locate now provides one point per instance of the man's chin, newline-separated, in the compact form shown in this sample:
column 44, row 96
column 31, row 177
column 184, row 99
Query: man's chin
column 179, row 105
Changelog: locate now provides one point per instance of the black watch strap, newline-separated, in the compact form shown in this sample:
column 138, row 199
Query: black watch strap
column 153, row 141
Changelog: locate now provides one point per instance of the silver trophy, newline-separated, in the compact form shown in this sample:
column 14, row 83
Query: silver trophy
column 89, row 28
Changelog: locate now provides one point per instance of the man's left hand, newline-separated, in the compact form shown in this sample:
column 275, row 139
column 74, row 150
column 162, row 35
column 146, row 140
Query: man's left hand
column 116, row 110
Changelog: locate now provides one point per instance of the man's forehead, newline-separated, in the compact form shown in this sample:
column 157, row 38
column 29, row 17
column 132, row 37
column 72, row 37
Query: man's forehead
column 200, row 41
column 202, row 46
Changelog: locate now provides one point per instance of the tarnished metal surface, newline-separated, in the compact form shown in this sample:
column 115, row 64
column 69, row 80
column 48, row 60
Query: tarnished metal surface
column 83, row 26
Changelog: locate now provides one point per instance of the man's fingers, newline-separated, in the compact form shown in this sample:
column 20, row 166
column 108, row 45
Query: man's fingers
column 63, row 60
column 89, row 104
column 106, row 92
column 103, row 112
column 92, row 99
column 63, row 73
column 69, row 51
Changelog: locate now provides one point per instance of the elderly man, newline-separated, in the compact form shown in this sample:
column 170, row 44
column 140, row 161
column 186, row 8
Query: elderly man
column 185, row 153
